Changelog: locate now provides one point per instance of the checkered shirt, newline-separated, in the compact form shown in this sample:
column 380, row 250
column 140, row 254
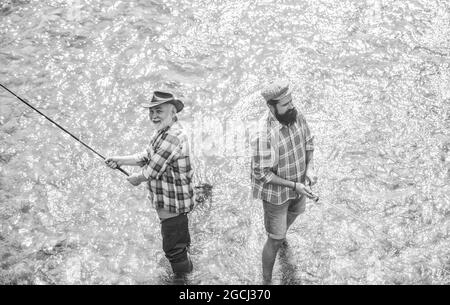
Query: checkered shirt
column 279, row 150
column 167, row 166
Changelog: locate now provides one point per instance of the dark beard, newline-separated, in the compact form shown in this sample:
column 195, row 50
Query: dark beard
column 288, row 117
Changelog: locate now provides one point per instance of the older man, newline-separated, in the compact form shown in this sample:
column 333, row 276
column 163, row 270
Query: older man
column 167, row 170
column 282, row 168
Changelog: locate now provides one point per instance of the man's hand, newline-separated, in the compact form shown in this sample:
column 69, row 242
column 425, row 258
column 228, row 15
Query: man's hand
column 302, row 189
column 311, row 177
column 136, row 179
column 113, row 162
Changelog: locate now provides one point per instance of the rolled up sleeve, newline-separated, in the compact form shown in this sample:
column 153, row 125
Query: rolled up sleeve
column 262, row 159
column 309, row 138
column 142, row 158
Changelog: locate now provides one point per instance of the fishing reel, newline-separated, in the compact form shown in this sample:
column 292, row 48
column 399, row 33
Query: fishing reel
column 202, row 192
column 314, row 197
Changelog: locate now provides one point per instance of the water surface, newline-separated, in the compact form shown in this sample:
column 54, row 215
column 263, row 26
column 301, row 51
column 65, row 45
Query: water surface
column 372, row 78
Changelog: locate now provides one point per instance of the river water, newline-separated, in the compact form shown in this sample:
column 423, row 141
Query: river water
column 371, row 77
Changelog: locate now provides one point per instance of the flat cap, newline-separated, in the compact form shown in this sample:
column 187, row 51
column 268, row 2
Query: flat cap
column 276, row 90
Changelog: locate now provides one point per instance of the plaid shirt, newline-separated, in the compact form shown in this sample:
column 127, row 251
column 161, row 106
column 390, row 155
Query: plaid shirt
column 167, row 166
column 279, row 150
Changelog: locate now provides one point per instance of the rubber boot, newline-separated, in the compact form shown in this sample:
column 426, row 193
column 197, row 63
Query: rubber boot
column 182, row 267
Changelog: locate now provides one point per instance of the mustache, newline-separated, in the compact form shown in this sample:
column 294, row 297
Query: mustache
column 288, row 117
column 291, row 111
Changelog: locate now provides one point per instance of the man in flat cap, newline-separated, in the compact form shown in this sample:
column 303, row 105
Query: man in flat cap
column 282, row 168
column 167, row 170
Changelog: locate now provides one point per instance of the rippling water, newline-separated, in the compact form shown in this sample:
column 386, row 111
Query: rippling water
column 372, row 77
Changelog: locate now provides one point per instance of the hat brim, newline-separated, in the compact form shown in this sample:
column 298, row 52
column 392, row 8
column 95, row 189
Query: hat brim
column 179, row 105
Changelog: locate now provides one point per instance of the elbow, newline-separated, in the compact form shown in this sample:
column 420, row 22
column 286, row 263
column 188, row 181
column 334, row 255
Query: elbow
column 264, row 175
column 148, row 173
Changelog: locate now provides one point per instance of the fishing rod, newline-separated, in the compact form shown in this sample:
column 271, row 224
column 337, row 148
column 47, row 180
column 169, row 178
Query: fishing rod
column 62, row 128
column 314, row 197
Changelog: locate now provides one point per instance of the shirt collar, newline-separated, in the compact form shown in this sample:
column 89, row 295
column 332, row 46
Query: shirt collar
column 174, row 122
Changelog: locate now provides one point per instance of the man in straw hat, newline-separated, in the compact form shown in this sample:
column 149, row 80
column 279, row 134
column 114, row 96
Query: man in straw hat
column 282, row 168
column 167, row 170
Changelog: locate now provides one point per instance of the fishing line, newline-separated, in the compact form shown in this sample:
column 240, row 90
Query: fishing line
column 396, row 242
column 60, row 127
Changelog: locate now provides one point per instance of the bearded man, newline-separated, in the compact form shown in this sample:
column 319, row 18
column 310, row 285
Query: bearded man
column 282, row 168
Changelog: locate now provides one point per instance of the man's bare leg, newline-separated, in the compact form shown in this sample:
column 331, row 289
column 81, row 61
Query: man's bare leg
column 268, row 258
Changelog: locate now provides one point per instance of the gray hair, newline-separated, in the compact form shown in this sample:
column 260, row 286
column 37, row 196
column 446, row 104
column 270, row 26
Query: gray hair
column 173, row 111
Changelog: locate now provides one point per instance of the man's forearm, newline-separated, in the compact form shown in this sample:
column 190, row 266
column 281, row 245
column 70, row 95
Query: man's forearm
column 290, row 184
column 309, row 160
column 127, row 160
column 282, row 182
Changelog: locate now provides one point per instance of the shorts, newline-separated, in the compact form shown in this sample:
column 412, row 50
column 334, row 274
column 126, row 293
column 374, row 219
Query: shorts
column 175, row 237
column 275, row 216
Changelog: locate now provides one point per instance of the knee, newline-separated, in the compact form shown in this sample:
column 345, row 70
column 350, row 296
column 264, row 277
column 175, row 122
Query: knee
column 274, row 243
column 175, row 255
